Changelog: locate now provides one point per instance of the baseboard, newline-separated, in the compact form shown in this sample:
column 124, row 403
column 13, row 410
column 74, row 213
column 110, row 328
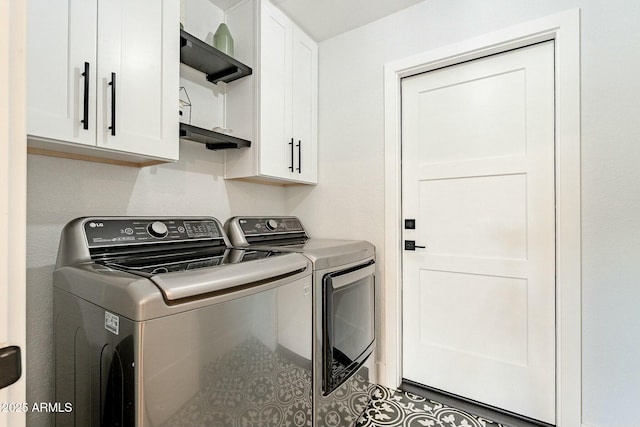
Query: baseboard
column 381, row 374
column 495, row 414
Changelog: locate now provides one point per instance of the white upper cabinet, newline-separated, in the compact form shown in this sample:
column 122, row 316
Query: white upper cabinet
column 275, row 73
column 305, row 106
column 61, row 45
column 279, row 101
column 103, row 78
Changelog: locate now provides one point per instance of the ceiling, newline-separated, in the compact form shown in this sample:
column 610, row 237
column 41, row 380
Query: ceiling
column 323, row 19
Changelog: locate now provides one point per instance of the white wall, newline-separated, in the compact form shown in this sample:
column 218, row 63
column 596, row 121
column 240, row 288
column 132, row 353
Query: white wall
column 59, row 190
column 349, row 200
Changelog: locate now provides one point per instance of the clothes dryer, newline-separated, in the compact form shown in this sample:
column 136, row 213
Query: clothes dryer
column 343, row 310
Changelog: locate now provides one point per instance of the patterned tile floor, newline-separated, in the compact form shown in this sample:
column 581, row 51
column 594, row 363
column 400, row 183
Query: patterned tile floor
column 253, row 386
column 394, row 408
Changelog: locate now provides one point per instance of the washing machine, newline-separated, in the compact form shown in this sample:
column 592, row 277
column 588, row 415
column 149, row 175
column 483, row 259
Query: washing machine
column 343, row 310
column 159, row 322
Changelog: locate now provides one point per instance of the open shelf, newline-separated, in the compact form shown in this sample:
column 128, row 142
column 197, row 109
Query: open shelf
column 213, row 140
column 218, row 66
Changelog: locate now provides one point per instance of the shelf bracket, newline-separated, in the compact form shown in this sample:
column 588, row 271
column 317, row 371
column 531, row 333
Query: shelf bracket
column 227, row 75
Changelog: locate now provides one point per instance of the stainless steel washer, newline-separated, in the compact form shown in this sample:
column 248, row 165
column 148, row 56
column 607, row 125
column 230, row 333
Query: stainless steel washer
column 343, row 316
column 158, row 322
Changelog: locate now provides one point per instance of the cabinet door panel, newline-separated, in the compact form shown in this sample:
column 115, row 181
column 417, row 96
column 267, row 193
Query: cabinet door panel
column 284, row 103
column 275, row 93
column 61, row 37
column 137, row 40
column 305, row 101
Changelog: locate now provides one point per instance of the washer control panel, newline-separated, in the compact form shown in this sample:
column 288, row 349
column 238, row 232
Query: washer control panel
column 270, row 225
column 116, row 232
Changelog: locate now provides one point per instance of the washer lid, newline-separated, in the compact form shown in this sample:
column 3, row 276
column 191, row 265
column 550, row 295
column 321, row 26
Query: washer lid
column 255, row 270
column 328, row 253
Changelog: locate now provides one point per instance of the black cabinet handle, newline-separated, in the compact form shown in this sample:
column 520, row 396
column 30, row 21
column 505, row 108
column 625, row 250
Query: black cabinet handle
column 85, row 98
column 291, row 144
column 299, row 156
column 112, row 83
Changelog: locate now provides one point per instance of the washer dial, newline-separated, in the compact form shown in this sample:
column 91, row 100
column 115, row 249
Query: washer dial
column 272, row 224
column 158, row 229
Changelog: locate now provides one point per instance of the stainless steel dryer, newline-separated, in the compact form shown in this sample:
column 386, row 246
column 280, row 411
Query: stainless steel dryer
column 344, row 310
column 159, row 323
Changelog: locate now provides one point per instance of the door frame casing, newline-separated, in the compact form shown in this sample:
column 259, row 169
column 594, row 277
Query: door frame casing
column 13, row 197
column 564, row 29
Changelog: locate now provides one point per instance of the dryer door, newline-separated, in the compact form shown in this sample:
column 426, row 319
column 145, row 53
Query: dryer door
column 348, row 322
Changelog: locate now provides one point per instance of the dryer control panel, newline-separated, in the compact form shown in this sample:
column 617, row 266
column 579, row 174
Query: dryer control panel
column 257, row 230
column 270, row 225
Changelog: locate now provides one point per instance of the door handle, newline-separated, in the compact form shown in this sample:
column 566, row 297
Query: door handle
column 112, row 83
column 85, row 98
column 410, row 245
column 10, row 365
column 291, row 144
column 299, row 156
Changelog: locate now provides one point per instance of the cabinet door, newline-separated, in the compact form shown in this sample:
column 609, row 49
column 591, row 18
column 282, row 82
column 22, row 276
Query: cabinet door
column 276, row 151
column 138, row 48
column 61, row 38
column 304, row 107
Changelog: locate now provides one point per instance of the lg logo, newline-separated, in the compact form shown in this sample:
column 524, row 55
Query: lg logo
column 96, row 224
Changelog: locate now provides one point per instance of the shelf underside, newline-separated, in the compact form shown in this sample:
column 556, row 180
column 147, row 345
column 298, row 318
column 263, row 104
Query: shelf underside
column 213, row 140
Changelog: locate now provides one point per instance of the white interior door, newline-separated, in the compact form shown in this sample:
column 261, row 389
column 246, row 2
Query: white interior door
column 478, row 178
